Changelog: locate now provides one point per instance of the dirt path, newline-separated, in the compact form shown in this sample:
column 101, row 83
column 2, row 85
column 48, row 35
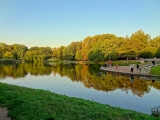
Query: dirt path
column 3, row 114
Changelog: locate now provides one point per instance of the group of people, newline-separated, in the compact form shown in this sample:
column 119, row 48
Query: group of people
column 132, row 67
column 110, row 63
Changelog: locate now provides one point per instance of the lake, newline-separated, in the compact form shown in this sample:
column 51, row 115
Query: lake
column 86, row 81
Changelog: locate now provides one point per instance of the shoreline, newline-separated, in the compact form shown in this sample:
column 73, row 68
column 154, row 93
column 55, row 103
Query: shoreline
column 30, row 103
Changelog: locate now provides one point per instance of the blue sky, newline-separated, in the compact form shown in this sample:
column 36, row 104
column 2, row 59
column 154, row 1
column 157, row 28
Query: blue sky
column 55, row 23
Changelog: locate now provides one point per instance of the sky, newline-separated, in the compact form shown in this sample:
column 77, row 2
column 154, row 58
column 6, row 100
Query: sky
column 56, row 23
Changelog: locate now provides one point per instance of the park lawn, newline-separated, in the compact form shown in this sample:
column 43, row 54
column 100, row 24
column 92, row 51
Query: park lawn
column 155, row 70
column 35, row 104
column 125, row 63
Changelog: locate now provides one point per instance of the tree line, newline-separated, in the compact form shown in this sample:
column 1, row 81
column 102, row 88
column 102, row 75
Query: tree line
column 109, row 46
column 21, row 52
column 97, row 48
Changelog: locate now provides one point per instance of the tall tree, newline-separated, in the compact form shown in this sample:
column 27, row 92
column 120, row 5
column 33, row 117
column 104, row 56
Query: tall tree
column 155, row 42
column 60, row 52
column 4, row 48
column 86, row 47
column 19, row 51
column 139, row 40
column 158, row 53
column 78, row 55
column 8, row 55
column 1, row 55
column 54, row 53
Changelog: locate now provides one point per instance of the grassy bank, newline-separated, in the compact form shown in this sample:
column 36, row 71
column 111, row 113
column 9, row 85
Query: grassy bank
column 119, row 62
column 30, row 104
column 125, row 63
column 59, row 61
column 155, row 70
column 7, row 61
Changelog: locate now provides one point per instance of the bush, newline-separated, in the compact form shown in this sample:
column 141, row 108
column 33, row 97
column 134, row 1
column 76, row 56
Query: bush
column 146, row 54
column 155, row 111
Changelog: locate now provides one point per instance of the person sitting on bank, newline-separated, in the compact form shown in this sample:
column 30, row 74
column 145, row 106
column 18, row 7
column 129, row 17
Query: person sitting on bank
column 110, row 63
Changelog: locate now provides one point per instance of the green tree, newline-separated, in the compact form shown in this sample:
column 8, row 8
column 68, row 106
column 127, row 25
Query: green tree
column 1, row 55
column 19, row 51
column 60, row 52
column 29, row 56
column 54, row 53
column 96, row 56
column 158, row 53
column 146, row 54
column 91, row 56
column 4, row 48
column 38, row 54
column 8, row 55
column 114, row 55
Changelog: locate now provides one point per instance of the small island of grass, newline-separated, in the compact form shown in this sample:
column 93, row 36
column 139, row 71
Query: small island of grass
column 155, row 70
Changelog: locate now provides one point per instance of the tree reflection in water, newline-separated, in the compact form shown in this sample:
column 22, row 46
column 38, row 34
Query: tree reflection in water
column 89, row 74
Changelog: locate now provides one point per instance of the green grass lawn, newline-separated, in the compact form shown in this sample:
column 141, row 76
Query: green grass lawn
column 155, row 70
column 31, row 104
column 125, row 63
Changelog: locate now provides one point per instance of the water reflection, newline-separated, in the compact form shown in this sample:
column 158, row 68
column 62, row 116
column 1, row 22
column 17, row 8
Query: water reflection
column 21, row 70
column 89, row 75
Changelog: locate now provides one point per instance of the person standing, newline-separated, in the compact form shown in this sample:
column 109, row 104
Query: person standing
column 154, row 62
column 132, row 68
column 137, row 66
column 116, row 66
column 105, row 65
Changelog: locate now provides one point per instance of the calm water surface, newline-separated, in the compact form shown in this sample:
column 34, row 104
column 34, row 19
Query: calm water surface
column 87, row 82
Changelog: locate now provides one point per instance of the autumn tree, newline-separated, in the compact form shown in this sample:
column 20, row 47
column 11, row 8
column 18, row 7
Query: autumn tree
column 155, row 42
column 78, row 54
column 139, row 40
column 86, row 47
